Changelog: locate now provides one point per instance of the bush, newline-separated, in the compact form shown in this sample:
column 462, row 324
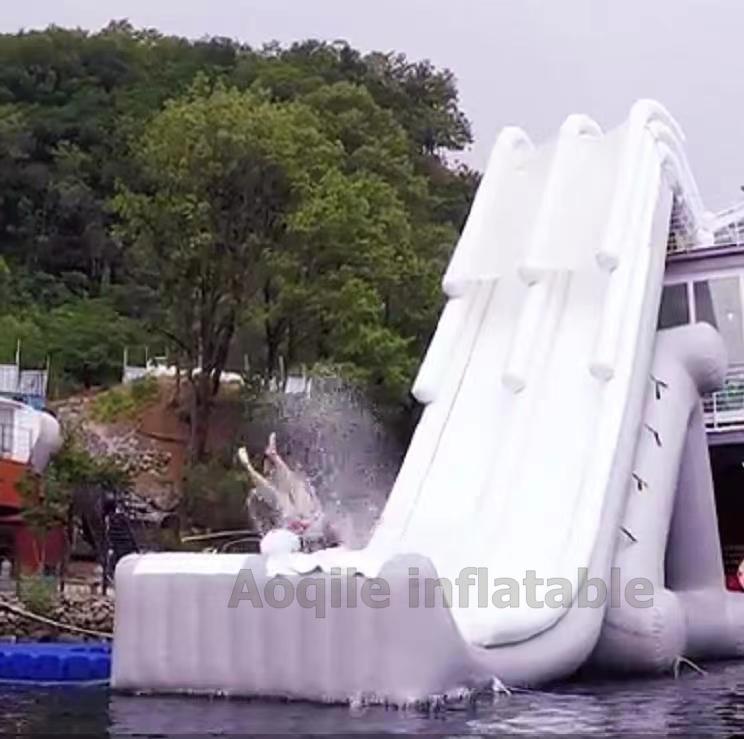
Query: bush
column 214, row 497
column 47, row 498
column 38, row 594
column 144, row 390
column 113, row 405
column 74, row 467
column 125, row 401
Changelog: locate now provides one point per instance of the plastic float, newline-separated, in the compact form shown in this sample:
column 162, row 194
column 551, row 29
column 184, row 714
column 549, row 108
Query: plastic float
column 561, row 436
column 37, row 663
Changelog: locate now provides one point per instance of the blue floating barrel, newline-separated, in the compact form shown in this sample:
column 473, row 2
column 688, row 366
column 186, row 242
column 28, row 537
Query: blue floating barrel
column 50, row 662
column 46, row 668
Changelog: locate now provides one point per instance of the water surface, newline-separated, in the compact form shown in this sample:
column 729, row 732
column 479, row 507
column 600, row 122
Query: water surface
column 709, row 704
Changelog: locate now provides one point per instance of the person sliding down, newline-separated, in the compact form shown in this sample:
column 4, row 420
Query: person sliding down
column 297, row 507
column 263, row 488
column 304, row 503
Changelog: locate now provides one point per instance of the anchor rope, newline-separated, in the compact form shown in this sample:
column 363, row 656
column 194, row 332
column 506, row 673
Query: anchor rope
column 51, row 622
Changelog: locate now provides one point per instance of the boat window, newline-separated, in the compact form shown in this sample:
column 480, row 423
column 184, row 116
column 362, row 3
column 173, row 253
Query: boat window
column 675, row 310
column 6, row 430
column 718, row 302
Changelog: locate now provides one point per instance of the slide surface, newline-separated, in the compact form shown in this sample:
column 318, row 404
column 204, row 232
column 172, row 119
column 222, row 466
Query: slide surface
column 538, row 386
column 553, row 294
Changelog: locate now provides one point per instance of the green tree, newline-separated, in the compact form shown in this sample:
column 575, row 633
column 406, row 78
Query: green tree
column 5, row 278
column 310, row 211
column 46, row 507
column 222, row 170
column 351, row 243
column 48, row 497
column 85, row 340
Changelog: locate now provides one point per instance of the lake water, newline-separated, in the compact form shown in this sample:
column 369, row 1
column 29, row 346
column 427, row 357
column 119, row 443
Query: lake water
column 710, row 703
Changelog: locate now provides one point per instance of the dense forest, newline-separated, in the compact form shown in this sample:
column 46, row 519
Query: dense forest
column 204, row 196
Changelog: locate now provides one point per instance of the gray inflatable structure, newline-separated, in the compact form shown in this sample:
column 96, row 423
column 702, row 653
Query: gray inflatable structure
column 33, row 436
column 555, row 508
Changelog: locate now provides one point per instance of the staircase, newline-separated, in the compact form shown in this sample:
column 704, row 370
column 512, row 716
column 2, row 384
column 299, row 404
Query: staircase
column 120, row 537
column 106, row 527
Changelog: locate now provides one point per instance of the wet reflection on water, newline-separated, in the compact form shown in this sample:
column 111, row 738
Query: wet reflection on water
column 713, row 703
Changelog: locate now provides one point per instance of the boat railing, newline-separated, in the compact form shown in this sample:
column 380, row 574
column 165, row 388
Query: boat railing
column 724, row 410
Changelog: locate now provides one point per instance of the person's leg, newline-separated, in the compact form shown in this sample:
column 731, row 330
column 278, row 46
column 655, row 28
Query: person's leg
column 303, row 498
column 263, row 484
column 285, row 478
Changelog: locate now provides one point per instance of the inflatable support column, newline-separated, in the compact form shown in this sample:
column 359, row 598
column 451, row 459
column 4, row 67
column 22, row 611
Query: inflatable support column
column 669, row 535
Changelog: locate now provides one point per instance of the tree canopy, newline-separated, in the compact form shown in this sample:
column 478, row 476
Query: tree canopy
column 285, row 201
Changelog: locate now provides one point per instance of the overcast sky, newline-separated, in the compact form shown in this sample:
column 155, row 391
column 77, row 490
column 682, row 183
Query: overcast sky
column 521, row 62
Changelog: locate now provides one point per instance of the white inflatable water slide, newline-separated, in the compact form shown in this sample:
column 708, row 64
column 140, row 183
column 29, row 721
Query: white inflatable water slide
column 560, row 436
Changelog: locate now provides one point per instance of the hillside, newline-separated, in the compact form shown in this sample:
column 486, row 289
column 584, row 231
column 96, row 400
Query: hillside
column 149, row 439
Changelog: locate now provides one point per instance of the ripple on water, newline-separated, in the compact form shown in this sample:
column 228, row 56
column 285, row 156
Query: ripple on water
column 706, row 704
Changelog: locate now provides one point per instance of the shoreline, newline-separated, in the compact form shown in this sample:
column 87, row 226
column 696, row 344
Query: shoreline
column 84, row 612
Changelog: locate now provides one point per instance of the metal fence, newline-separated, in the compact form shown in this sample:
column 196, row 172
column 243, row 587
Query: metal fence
column 724, row 410
column 33, row 382
column 8, row 379
column 25, row 383
column 726, row 230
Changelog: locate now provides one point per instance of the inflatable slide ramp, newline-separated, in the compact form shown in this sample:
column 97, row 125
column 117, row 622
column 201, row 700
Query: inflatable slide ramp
column 512, row 494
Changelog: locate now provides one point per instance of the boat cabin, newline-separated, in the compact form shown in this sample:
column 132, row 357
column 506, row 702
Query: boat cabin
column 705, row 282
column 28, row 437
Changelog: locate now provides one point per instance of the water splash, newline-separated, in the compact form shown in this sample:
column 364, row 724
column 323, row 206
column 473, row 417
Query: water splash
column 335, row 440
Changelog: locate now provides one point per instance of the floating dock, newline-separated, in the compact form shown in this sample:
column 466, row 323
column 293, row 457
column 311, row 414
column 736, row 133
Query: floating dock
column 55, row 662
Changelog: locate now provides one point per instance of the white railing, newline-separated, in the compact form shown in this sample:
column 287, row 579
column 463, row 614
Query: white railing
column 132, row 374
column 8, row 378
column 726, row 229
column 724, row 410
column 682, row 231
column 23, row 382
column 732, row 235
column 33, row 382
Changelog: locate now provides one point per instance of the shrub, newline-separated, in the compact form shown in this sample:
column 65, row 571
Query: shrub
column 124, row 402
column 38, row 594
column 113, row 405
column 74, row 467
column 47, row 498
column 214, row 496
column 144, row 390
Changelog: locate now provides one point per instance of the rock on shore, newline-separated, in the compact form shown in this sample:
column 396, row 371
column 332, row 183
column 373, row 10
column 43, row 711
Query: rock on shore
column 94, row 612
